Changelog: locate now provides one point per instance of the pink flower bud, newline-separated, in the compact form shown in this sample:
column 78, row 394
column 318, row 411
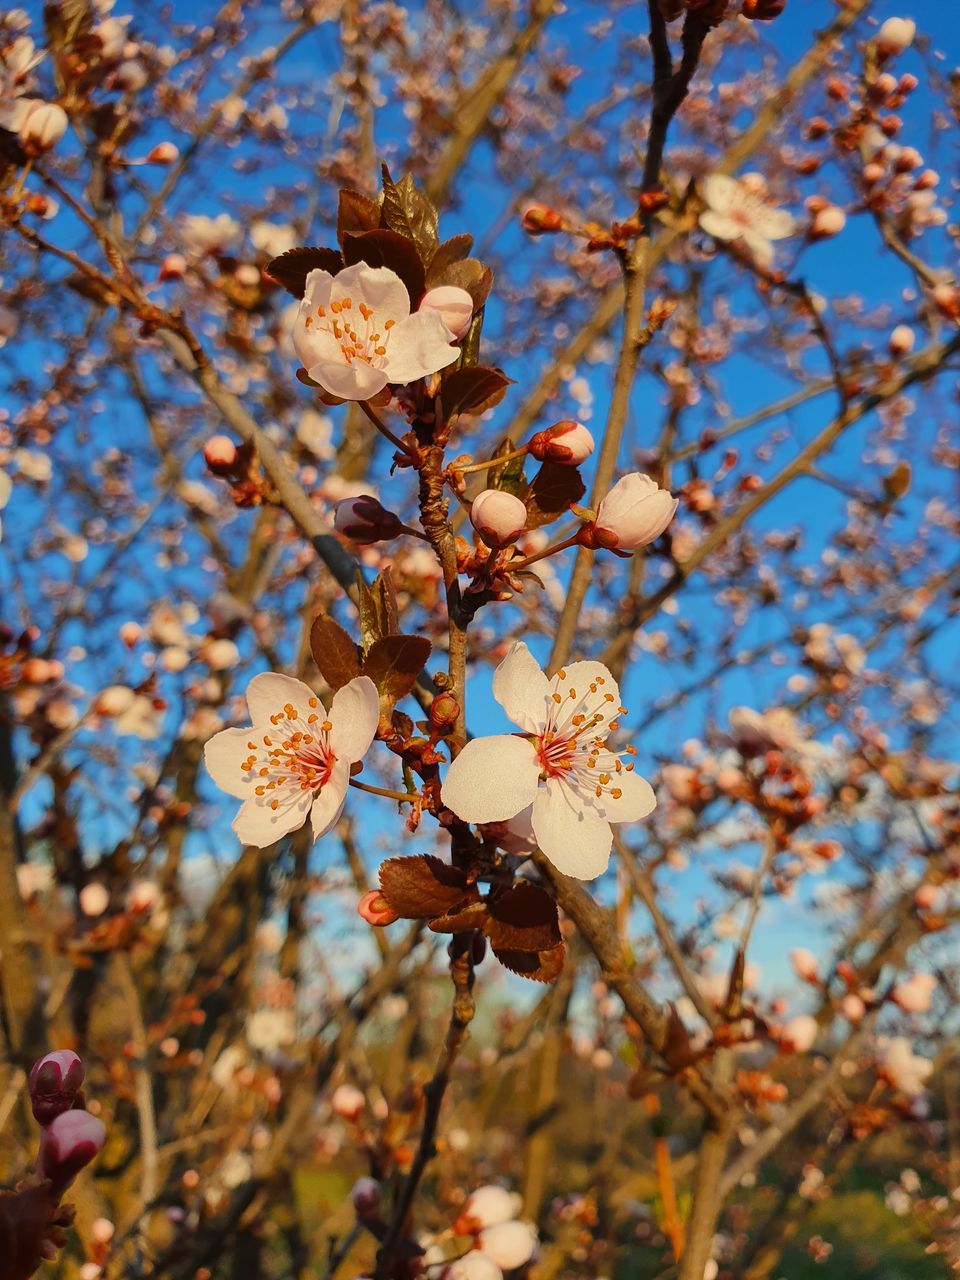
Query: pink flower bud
column 347, row 1101
column 173, row 266
column 632, row 515
column 163, row 153
column 509, row 1244
column 42, row 126
column 852, row 1007
column 828, row 222
column 804, row 963
column 498, row 517
column 568, row 442
column 130, row 633
column 873, row 172
column 376, row 910
column 365, row 520
column 55, row 1081
column 799, row 1033
column 220, row 455
column 365, row 1197
column 901, row 340
column 454, row 306
column 94, row 898
column 488, row 1206
column 926, row 896
column 895, row 36
column 67, row 1144
column 947, row 298
column 539, row 218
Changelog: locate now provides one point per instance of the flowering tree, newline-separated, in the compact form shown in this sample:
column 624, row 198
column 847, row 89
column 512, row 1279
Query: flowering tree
column 377, row 436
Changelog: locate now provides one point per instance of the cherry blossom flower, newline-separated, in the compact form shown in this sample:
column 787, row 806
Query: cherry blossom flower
column 560, row 765
column 633, row 514
column 354, row 333
column 295, row 758
column 904, row 1069
column 736, row 210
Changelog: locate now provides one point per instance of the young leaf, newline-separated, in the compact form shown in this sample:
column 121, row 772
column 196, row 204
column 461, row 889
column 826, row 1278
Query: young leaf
column 292, row 268
column 469, row 915
column 388, row 249
column 453, row 250
column 552, row 491
column 336, row 655
column 393, row 664
column 525, row 918
column 508, row 477
column 356, row 212
column 473, row 389
column 470, row 274
column 408, row 211
column 422, row 887
column 541, row 966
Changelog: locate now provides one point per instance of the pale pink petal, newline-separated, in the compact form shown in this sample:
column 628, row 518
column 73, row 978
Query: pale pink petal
column 597, row 693
column 354, row 713
column 637, row 798
column 721, row 192
column 223, row 755
column 316, row 346
column 492, row 779
column 328, row 806
column 719, row 225
column 356, row 381
column 773, row 224
column 317, row 289
column 577, row 843
column 759, row 246
column 260, row 825
column 522, row 689
column 419, row 345
column 270, row 692
column 378, row 287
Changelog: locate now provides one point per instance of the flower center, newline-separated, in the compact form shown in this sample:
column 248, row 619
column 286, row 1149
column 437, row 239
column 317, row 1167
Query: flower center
column 295, row 757
column 573, row 743
column 356, row 328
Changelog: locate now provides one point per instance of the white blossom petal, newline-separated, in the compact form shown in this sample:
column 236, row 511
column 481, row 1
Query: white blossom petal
column 492, row 779
column 356, row 381
column 355, row 714
column 522, row 689
column 270, row 692
column 260, row 825
column 759, row 246
column 377, row 287
column 576, row 842
column 328, row 806
column 637, row 799
column 773, row 224
column 721, row 192
column 719, row 225
column 419, row 345
column 224, row 756
column 597, row 692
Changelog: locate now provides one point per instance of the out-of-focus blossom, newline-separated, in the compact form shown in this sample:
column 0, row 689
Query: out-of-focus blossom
column 916, row 994
column 509, row 1244
column 202, row 235
column 94, row 898
column 488, row 1206
column 6, row 488
column 895, row 36
column 347, row 1101
column 736, row 210
column 562, row 767
column 271, row 238
column 906, row 1070
column 354, row 333
column 800, row 1033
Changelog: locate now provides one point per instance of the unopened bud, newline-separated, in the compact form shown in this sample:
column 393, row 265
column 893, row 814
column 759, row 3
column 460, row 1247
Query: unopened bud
column 947, row 298
column 799, row 1033
column 567, row 442
column 376, row 910
column 895, row 36
column 163, row 153
column 634, row 513
column 347, row 1101
column 365, row 1197
column 55, row 1081
column 220, row 455
column 173, row 266
column 363, row 519
column 453, row 305
column 68, row 1144
column 94, row 898
column 539, row 219
column 901, row 341
column 498, row 517
column 444, row 711
column 42, row 126
column 827, row 222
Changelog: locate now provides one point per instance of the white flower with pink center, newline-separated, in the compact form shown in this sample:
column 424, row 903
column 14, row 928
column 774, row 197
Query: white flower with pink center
column 559, row 768
column 354, row 333
column 737, row 210
column 294, row 760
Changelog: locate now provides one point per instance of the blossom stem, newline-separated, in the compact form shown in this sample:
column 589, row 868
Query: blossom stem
column 491, row 462
column 547, row 551
column 385, row 430
column 382, row 791
column 15, row 193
